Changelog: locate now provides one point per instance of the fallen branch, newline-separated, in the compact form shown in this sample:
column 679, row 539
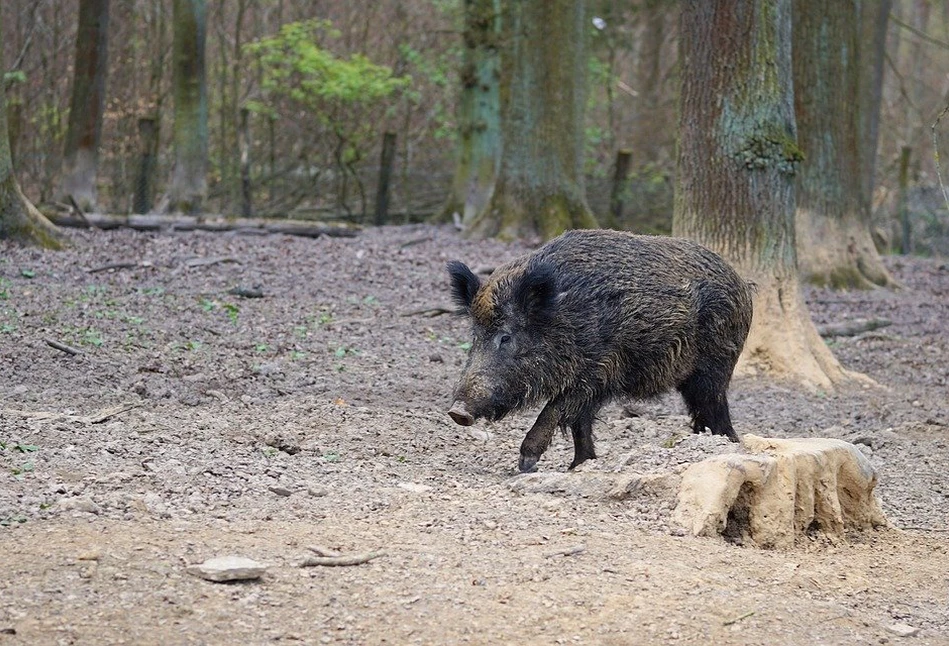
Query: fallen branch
column 156, row 222
column 194, row 263
column 116, row 265
column 322, row 551
column 852, row 328
column 570, row 551
column 729, row 622
column 338, row 561
column 430, row 312
column 68, row 349
column 79, row 211
column 109, row 413
column 416, row 241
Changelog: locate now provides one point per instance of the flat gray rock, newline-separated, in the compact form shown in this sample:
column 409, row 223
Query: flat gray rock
column 228, row 568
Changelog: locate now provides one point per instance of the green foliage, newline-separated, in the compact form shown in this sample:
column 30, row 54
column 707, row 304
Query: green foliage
column 294, row 65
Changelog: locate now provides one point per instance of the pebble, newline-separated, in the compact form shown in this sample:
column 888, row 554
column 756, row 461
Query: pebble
column 81, row 503
column 414, row 487
column 903, row 630
column 281, row 491
column 228, row 568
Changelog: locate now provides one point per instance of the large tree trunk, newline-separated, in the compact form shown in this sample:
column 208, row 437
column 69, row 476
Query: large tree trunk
column 736, row 162
column 189, row 185
column 835, row 247
column 539, row 190
column 81, row 153
column 19, row 219
column 479, row 112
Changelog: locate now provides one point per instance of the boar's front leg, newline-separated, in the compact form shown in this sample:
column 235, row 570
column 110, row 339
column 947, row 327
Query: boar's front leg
column 538, row 438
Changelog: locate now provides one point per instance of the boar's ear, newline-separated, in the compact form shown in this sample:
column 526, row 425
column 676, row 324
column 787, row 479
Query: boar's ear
column 464, row 284
column 535, row 294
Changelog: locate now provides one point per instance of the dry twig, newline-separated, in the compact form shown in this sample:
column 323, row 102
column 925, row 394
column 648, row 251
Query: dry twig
column 62, row 347
column 569, row 551
column 341, row 560
column 729, row 622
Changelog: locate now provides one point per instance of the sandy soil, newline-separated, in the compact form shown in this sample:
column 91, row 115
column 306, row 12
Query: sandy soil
column 196, row 422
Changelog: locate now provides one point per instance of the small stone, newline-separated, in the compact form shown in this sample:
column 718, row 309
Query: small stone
column 902, row 630
column 316, row 492
column 414, row 487
column 479, row 434
column 228, row 568
column 81, row 503
column 90, row 555
column 490, row 524
column 281, row 491
column 436, row 358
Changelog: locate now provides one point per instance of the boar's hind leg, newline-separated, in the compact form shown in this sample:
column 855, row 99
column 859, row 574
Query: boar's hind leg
column 704, row 395
column 582, row 430
column 538, row 438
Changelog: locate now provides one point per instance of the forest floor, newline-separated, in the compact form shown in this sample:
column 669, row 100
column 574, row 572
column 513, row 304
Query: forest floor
column 197, row 423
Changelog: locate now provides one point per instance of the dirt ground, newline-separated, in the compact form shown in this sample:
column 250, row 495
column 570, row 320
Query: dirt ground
column 196, row 422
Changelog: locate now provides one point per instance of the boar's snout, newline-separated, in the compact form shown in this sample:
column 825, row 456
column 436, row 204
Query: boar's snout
column 459, row 413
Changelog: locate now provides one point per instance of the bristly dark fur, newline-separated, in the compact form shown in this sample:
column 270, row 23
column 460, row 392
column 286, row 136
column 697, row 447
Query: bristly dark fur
column 595, row 316
column 464, row 285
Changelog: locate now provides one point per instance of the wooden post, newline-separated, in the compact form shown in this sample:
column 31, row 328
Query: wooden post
column 147, row 131
column 385, row 174
column 620, row 174
column 244, row 144
column 906, row 244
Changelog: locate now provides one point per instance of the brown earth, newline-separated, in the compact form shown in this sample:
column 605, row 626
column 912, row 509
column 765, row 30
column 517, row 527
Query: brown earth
column 196, row 423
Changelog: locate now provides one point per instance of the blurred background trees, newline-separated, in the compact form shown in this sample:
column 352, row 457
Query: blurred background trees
column 319, row 85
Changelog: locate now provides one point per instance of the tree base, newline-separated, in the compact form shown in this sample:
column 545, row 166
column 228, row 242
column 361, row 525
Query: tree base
column 784, row 343
column 839, row 257
column 21, row 222
column 511, row 215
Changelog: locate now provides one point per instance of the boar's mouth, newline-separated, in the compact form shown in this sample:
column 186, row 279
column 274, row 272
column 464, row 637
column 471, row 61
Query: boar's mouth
column 463, row 416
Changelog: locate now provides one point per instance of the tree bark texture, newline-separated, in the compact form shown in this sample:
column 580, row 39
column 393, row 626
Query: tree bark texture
column 188, row 188
column 81, row 152
column 835, row 247
column 736, row 162
column 874, row 18
column 19, row 219
column 479, row 112
column 539, row 190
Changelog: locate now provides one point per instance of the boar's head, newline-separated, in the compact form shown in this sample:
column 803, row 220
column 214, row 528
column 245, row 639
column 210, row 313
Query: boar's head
column 511, row 360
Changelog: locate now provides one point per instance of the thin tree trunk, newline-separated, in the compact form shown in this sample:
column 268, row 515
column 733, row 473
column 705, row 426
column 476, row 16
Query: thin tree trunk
column 835, row 246
column 244, row 147
column 539, row 191
column 736, row 162
column 148, row 134
column 479, row 112
column 385, row 175
column 81, row 154
column 874, row 18
column 189, row 186
column 620, row 177
column 649, row 119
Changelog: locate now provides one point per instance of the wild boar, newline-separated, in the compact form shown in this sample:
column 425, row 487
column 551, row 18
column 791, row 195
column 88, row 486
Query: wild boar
column 594, row 316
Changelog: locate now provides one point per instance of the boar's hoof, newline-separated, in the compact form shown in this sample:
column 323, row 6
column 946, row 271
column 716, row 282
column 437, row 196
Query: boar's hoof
column 460, row 414
column 527, row 463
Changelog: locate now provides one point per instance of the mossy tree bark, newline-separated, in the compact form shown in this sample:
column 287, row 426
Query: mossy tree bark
column 189, row 186
column 81, row 154
column 736, row 163
column 479, row 112
column 19, row 219
column 539, row 189
column 835, row 247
